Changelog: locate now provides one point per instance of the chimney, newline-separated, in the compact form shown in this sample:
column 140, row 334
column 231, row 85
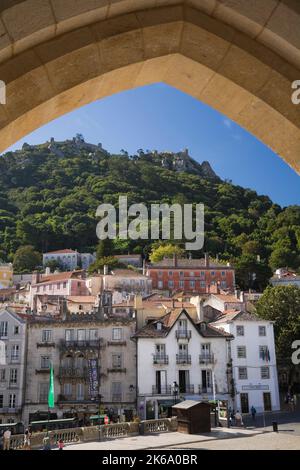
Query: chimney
column 175, row 260
column 105, row 270
column 47, row 271
column 36, row 277
column 206, row 260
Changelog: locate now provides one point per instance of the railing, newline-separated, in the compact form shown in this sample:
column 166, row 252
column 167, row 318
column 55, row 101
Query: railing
column 206, row 359
column 45, row 344
column 183, row 334
column 116, row 369
column 73, row 372
column 6, row 409
column 94, row 344
column 187, row 389
column 166, row 390
column 94, row 433
column 205, row 389
column 116, row 397
column 183, row 359
column 160, row 359
column 117, row 342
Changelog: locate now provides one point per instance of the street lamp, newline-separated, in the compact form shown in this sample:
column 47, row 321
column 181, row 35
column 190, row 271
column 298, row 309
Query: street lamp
column 175, row 391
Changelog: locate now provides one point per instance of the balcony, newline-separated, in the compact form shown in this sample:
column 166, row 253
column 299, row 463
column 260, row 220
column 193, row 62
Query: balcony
column 205, row 389
column 206, row 359
column 183, row 334
column 116, row 369
column 188, row 389
column 116, row 342
column 77, row 345
column 117, row 397
column 160, row 359
column 166, row 390
column 7, row 410
column 183, row 359
column 45, row 344
column 73, row 372
column 69, row 399
column 43, row 370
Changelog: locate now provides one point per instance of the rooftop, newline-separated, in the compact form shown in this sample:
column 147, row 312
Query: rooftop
column 187, row 263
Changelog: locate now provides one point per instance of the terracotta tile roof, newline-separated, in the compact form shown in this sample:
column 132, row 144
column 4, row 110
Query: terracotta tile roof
column 58, row 252
column 150, row 330
column 65, row 276
column 126, row 273
column 236, row 315
column 82, row 299
column 227, row 298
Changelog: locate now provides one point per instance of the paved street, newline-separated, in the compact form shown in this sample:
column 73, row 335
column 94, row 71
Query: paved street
column 250, row 438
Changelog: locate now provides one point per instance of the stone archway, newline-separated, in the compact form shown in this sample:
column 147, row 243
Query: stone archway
column 238, row 56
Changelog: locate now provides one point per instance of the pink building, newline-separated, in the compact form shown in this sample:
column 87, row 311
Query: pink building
column 60, row 284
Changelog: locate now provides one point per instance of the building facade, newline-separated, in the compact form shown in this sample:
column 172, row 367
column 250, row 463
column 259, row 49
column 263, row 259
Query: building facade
column 253, row 361
column 69, row 260
column 192, row 275
column 174, row 350
column 12, row 365
column 6, row 275
column 94, row 367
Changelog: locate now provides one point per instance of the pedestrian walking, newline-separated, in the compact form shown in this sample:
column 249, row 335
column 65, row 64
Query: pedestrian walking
column 238, row 419
column 6, row 439
column 61, row 444
column 253, row 413
column 46, row 443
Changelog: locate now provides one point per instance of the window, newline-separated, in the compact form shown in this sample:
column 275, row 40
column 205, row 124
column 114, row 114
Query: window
column 117, row 361
column 160, row 349
column 116, row 389
column 12, row 400
column 69, row 335
column 223, row 284
column 160, row 273
column 64, row 285
column 2, row 375
column 16, row 330
column 160, row 284
column 240, row 330
column 170, row 273
column 262, row 331
column 264, row 353
column 192, row 284
column 1, row 401
column 43, row 392
column 212, row 273
column 241, row 352
column 79, row 391
column 13, row 377
column 223, row 273
column 202, row 284
column 15, row 352
column 45, row 362
column 58, row 285
column 171, row 284
column 181, row 273
column 81, row 335
column 243, row 373
column 265, row 372
column 93, row 335
column 181, row 284
column 3, row 329
column 192, row 274
column 68, row 390
column 46, row 336
column 117, row 334
column 202, row 274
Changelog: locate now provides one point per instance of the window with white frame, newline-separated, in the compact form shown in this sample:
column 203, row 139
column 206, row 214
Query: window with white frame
column 12, row 400
column 117, row 334
column 15, row 352
column 13, row 376
column 262, row 330
column 46, row 336
column 242, row 373
column 240, row 331
column 16, row 330
column 93, row 334
column 3, row 329
column 43, row 392
column 170, row 284
column 45, row 362
column 241, row 352
column 265, row 372
column 181, row 284
column 67, row 389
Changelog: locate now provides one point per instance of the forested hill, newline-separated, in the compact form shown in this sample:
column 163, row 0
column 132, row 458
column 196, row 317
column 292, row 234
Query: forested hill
column 49, row 194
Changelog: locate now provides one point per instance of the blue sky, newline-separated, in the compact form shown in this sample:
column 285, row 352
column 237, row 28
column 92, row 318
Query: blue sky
column 163, row 118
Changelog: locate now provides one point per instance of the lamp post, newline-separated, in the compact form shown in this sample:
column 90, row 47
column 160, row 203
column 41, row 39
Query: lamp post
column 175, row 391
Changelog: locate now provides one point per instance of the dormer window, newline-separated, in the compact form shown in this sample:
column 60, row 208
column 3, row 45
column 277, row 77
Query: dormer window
column 159, row 326
column 203, row 326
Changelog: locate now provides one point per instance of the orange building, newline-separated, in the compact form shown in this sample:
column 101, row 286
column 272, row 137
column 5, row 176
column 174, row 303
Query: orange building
column 193, row 275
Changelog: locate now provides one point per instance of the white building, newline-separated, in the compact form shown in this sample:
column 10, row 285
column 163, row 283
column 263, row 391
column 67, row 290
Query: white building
column 69, row 259
column 253, row 361
column 12, row 365
column 285, row 277
column 172, row 349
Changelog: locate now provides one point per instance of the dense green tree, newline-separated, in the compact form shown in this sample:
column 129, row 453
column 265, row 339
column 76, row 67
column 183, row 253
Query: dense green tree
column 281, row 305
column 26, row 259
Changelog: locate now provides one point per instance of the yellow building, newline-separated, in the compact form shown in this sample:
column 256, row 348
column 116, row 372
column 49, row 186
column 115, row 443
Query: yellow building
column 6, row 275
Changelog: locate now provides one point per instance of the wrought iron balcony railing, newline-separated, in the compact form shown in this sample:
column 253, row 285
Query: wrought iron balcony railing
column 183, row 359
column 206, row 359
column 183, row 334
column 160, row 359
column 163, row 390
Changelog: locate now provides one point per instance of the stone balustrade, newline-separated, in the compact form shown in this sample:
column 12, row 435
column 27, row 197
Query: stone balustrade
column 96, row 433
